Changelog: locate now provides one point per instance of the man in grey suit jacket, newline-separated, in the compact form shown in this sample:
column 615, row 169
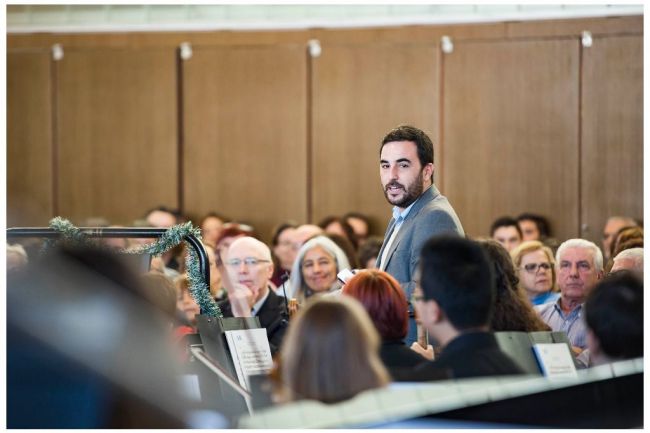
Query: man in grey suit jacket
column 419, row 212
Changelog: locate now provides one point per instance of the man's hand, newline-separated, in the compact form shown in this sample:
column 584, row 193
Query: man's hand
column 239, row 299
column 427, row 353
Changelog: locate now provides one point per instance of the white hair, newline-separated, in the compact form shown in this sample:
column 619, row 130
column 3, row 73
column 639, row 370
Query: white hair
column 596, row 253
column 262, row 248
column 341, row 260
column 635, row 254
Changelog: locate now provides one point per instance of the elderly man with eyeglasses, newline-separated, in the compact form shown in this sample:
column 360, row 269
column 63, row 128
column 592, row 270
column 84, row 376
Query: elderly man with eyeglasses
column 246, row 274
column 579, row 265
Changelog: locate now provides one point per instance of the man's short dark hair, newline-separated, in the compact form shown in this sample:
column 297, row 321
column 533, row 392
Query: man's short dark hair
column 456, row 273
column 541, row 222
column 614, row 313
column 420, row 138
column 505, row 221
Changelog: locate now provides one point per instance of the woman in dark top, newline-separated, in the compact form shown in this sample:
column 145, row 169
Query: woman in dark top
column 386, row 305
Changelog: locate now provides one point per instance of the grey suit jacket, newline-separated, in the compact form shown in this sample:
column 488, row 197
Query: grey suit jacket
column 430, row 215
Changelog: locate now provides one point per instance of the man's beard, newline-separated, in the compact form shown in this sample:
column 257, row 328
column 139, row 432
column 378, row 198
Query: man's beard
column 413, row 191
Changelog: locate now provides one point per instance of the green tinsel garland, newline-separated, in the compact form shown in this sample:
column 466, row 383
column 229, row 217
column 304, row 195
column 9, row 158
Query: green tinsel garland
column 199, row 288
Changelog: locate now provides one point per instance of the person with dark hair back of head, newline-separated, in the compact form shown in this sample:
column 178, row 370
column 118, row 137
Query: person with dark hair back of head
column 419, row 209
column 512, row 310
column 614, row 316
column 386, row 305
column 369, row 251
column 454, row 302
column 506, row 231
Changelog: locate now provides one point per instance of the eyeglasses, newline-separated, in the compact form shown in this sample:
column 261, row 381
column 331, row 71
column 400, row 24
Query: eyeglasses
column 532, row 268
column 248, row 261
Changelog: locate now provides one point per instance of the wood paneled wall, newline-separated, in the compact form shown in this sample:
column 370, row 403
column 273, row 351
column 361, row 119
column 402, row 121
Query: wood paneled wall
column 522, row 116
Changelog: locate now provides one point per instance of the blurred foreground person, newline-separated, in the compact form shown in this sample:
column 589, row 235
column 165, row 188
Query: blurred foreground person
column 614, row 316
column 86, row 349
column 330, row 353
column 384, row 300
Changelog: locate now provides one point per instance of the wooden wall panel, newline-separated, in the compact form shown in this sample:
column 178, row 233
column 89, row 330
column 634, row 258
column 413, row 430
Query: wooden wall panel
column 360, row 92
column 29, row 139
column 511, row 132
column 245, row 122
column 117, row 133
column 612, row 132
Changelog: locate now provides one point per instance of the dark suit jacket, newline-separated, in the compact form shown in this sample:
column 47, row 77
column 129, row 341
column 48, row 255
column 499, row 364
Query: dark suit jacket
column 272, row 316
column 430, row 215
column 397, row 356
column 473, row 354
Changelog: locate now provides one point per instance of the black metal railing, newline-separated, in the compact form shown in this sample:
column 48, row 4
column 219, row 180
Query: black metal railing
column 116, row 232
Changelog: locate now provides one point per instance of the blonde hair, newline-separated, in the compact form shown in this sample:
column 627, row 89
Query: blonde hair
column 518, row 253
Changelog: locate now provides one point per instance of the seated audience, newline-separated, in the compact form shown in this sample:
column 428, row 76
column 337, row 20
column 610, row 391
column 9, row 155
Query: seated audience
column 612, row 226
column 283, row 253
column 534, row 262
column 330, row 353
column 314, row 271
column 247, row 274
column 303, row 233
column 454, row 300
column 579, row 266
column 533, row 227
column 506, row 231
column 369, row 251
column 164, row 218
column 350, row 252
column 333, row 225
column 360, row 224
column 624, row 237
column 229, row 234
column 384, row 300
column 186, row 307
column 512, row 311
column 211, row 226
column 614, row 316
column 216, row 288
column 630, row 260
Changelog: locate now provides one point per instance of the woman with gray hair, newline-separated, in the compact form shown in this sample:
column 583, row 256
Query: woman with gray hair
column 314, row 271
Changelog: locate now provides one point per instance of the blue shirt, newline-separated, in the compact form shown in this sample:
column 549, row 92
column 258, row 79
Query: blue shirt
column 545, row 298
column 573, row 323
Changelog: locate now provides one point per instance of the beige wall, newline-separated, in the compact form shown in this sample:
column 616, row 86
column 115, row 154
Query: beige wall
column 524, row 118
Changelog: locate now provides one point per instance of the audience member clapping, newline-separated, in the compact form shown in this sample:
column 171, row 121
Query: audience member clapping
column 384, row 300
column 330, row 353
column 317, row 264
column 536, row 269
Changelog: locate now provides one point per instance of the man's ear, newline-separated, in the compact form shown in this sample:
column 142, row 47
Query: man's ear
column 428, row 171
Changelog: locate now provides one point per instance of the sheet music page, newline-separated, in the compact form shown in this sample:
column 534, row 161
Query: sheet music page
column 555, row 360
column 251, row 353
